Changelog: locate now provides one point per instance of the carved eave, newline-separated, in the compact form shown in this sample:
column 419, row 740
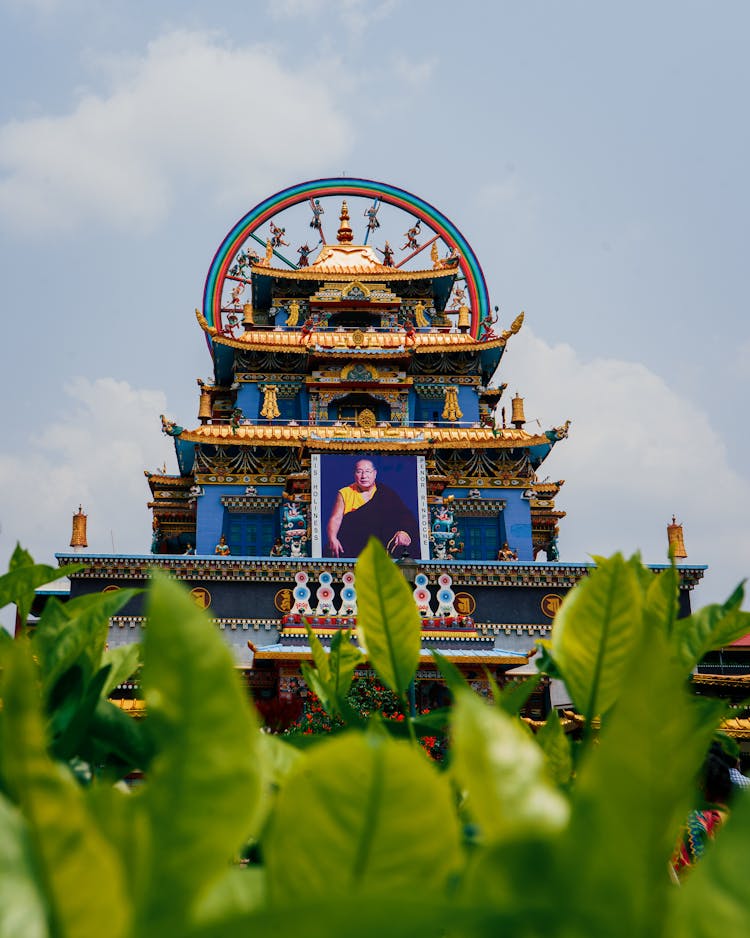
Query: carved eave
column 547, row 489
column 352, row 341
column 491, row 396
column 343, row 274
column 158, row 483
column 377, row 438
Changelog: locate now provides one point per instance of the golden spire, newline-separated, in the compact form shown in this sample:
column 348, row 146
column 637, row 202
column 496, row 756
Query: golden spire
column 344, row 234
column 518, row 419
column 676, row 540
column 78, row 539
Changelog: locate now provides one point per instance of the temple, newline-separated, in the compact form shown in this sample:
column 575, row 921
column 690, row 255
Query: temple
column 356, row 392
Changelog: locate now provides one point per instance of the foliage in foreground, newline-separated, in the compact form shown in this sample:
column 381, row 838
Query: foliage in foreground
column 361, row 832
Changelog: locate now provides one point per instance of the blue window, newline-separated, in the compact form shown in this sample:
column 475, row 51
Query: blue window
column 482, row 538
column 251, row 535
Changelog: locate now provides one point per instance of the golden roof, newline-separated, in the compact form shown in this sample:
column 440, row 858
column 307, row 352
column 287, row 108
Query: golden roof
column 352, row 437
column 299, row 653
column 133, row 707
column 722, row 680
column 736, row 727
column 352, row 340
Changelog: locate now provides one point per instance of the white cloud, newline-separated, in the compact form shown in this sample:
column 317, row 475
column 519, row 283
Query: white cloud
column 413, row 73
column 355, row 15
column 232, row 122
column 95, row 456
column 637, row 453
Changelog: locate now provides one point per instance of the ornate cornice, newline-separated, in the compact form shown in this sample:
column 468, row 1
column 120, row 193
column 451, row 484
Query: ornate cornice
column 376, row 438
column 352, row 340
column 284, row 569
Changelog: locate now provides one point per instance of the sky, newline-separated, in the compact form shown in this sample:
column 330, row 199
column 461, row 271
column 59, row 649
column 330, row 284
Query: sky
column 594, row 155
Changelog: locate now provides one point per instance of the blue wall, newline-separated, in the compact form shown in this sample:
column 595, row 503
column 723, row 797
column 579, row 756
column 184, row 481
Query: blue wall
column 515, row 520
column 468, row 402
column 518, row 522
column 210, row 516
column 210, row 512
column 248, row 400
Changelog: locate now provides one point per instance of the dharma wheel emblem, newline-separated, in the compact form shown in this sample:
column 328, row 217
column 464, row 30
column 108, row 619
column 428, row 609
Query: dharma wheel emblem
column 284, row 600
column 550, row 604
column 201, row 597
column 366, row 419
column 465, row 604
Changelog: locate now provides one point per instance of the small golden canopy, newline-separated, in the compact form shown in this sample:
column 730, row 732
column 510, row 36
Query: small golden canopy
column 78, row 538
column 519, row 418
column 676, row 540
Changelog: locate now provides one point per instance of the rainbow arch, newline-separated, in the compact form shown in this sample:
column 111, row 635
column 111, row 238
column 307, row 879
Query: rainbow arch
column 469, row 264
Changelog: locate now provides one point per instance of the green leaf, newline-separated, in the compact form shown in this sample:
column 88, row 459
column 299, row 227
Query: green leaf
column 502, row 770
column 631, row 796
column 78, row 710
column 319, row 656
column 278, row 759
column 116, row 741
column 556, row 747
column 715, row 895
column 123, row 663
column 23, row 910
column 318, row 679
column 662, row 601
column 331, row 679
column 545, row 663
column 594, row 633
column 204, row 780
column 421, row 913
column 120, row 817
column 454, row 679
column 361, row 813
column 387, row 617
column 83, row 876
column 317, row 686
column 76, row 631
column 498, row 878
column 343, row 660
column 513, row 697
column 711, row 627
column 237, row 892
column 24, row 577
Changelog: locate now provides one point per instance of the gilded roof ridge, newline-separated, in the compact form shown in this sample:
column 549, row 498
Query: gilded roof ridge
column 353, row 436
column 295, row 341
column 380, row 272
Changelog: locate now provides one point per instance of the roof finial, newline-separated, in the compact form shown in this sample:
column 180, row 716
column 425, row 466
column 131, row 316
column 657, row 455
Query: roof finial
column 345, row 235
column 78, row 539
column 676, row 540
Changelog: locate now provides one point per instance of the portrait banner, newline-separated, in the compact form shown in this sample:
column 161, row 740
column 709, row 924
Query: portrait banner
column 363, row 495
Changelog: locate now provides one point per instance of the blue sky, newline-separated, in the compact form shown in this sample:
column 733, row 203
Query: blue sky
column 594, row 155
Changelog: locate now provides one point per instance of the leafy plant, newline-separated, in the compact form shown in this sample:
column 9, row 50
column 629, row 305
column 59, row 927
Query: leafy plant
column 361, row 832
